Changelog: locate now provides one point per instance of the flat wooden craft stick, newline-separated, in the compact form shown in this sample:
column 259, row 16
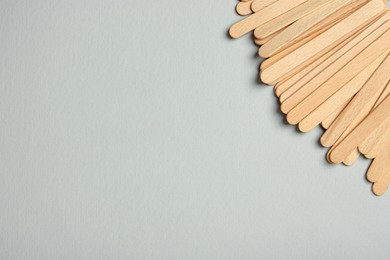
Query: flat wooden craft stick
column 333, row 65
column 359, row 107
column 351, row 159
column 258, row 5
column 365, row 99
column 382, row 143
column 322, row 43
column 303, row 39
column 310, row 34
column 274, row 59
column 327, row 69
column 265, row 40
column 285, row 90
column 337, row 81
column 268, row 13
column 369, row 144
column 344, row 94
column 333, row 116
column 379, row 173
column 289, row 17
column 301, row 78
column 244, row 8
column 305, row 24
column 380, row 117
column 257, row 41
column 384, row 94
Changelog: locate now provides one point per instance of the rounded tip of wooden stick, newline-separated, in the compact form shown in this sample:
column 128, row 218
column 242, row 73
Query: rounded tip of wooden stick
column 278, row 92
column 352, row 158
column 263, row 53
column 379, row 188
column 266, row 78
column 328, row 157
column 291, row 119
column 370, row 155
column 348, row 163
column 335, row 156
column 257, row 33
column 283, row 97
column 238, row 8
column 233, row 32
column 284, row 107
column 243, row 8
column 324, row 141
column 304, row 127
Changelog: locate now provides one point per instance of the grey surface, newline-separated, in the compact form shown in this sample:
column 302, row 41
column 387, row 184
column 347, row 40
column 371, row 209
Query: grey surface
column 137, row 130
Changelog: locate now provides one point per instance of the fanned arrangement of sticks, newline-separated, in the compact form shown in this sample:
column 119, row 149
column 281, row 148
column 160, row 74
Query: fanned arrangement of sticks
column 329, row 62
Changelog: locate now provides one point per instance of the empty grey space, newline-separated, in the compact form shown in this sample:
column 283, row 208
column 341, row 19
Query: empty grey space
column 138, row 130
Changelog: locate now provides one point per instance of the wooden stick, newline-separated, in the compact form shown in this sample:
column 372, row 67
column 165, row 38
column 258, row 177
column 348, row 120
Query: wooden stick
column 266, row 39
column 327, row 69
column 268, row 13
column 333, row 116
column 258, row 5
column 342, row 77
column 286, row 84
column 288, row 87
column 292, row 85
column 346, row 93
column 289, row 17
column 385, row 93
column 322, row 80
column 304, row 38
column 379, row 172
column 380, row 117
column 369, row 144
column 351, row 159
column 359, row 107
column 303, row 26
column 244, row 8
column 321, row 44
column 382, row 143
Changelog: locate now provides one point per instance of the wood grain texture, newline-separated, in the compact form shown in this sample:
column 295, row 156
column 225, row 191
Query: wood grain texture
column 258, row 5
column 244, row 8
column 328, row 69
column 359, row 107
column 379, row 172
column 303, row 39
column 333, row 116
column 290, row 87
column 345, row 93
column 268, row 13
column 288, row 18
column 357, row 110
column 342, row 77
column 321, row 44
column 307, row 25
column 379, row 118
column 369, row 144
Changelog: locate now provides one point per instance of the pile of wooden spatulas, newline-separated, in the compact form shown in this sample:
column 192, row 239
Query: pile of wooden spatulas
column 329, row 61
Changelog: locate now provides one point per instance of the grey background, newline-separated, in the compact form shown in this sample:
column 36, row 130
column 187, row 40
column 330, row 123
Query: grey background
column 137, row 130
